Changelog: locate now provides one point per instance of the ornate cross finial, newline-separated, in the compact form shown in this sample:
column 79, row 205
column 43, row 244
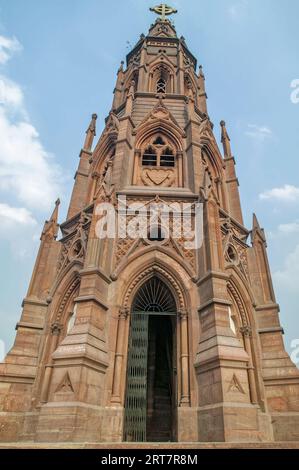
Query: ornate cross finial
column 163, row 10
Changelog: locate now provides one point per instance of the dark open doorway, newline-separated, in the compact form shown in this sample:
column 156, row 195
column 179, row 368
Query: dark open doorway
column 160, row 425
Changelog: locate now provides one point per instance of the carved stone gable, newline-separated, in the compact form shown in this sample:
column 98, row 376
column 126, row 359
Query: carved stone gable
column 75, row 241
column 235, row 246
column 112, row 124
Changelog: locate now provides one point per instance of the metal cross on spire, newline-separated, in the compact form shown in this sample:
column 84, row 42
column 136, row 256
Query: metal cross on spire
column 163, row 10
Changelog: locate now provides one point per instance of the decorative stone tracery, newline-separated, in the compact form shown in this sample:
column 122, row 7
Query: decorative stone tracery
column 150, row 272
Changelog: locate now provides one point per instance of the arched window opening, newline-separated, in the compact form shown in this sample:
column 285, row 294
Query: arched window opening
column 149, row 157
column 156, row 234
column 162, row 81
column 159, row 153
column 159, row 161
column 159, row 141
column 167, row 158
column 161, row 85
column 154, row 296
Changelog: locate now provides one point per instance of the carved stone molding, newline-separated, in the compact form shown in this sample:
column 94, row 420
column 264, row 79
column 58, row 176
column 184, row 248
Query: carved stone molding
column 74, row 285
column 246, row 331
column 124, row 313
column 234, row 293
column 234, row 246
column 74, row 248
column 183, row 314
column 151, row 271
column 56, row 328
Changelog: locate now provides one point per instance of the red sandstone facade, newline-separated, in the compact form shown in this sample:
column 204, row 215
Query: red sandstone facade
column 229, row 376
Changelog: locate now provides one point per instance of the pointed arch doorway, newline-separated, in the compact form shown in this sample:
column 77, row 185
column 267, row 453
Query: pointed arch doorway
column 151, row 388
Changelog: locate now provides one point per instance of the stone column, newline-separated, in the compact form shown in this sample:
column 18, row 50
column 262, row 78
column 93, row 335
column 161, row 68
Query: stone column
column 180, row 169
column 246, row 331
column 172, row 84
column 150, row 86
column 137, row 165
column 56, row 329
column 95, row 178
column 119, row 356
column 93, row 252
column 184, row 356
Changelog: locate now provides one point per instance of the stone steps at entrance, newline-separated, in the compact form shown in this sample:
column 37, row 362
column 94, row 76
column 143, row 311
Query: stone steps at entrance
column 156, row 445
column 159, row 427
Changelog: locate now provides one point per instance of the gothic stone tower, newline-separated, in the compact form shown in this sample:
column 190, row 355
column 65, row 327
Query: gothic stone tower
column 145, row 339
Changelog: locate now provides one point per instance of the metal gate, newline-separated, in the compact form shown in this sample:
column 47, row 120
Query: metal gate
column 136, row 400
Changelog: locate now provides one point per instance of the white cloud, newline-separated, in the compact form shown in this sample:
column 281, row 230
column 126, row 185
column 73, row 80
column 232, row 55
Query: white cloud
column 11, row 94
column 28, row 173
column 290, row 228
column 30, row 179
column 288, row 277
column 287, row 193
column 258, row 132
column 18, row 227
column 238, row 9
column 15, row 215
column 8, row 46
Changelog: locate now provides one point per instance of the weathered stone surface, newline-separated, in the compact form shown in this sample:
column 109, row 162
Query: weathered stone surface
column 228, row 381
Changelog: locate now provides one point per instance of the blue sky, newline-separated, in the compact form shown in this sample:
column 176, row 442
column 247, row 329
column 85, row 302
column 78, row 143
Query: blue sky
column 58, row 63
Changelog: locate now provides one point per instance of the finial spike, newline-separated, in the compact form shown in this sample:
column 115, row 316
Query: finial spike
column 256, row 229
column 255, row 223
column 51, row 226
column 90, row 133
column 225, row 140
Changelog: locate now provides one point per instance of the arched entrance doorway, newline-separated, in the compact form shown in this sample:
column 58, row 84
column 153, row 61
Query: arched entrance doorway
column 151, row 389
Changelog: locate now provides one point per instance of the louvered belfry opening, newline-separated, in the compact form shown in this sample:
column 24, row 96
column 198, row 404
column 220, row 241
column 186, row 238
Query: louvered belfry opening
column 150, row 404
